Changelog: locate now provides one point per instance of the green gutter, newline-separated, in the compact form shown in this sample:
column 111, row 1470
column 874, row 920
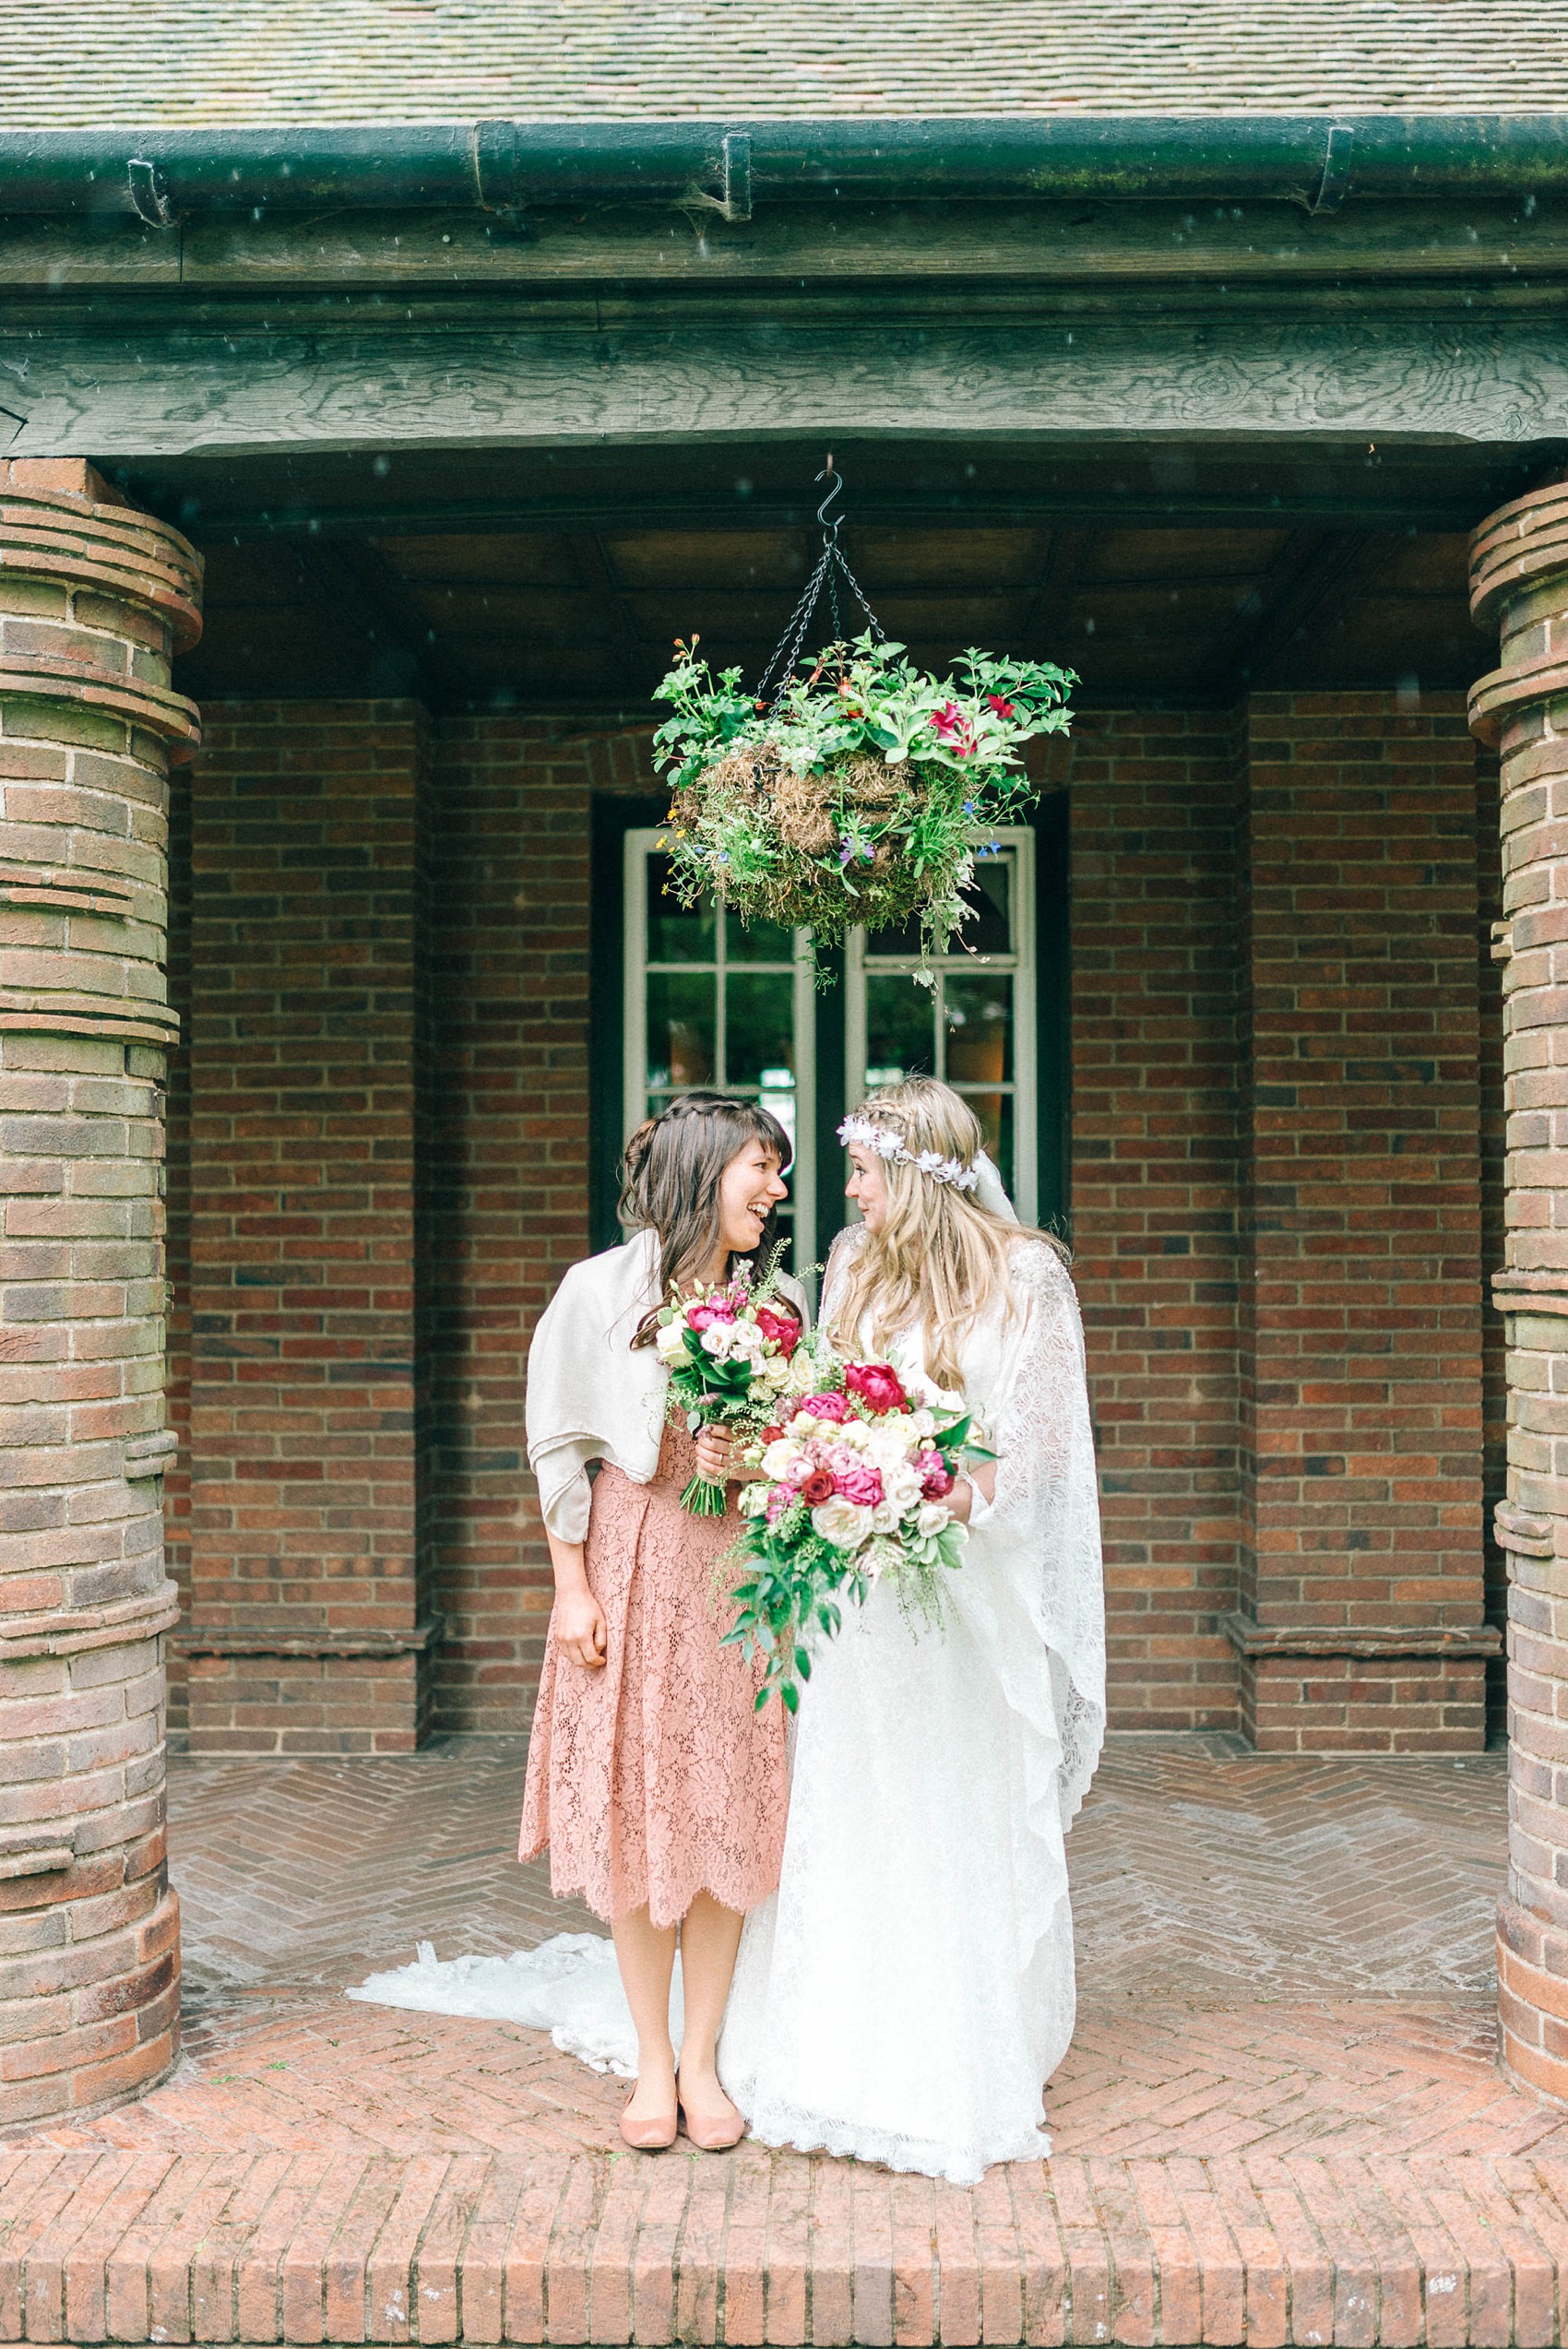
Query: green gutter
column 1313, row 160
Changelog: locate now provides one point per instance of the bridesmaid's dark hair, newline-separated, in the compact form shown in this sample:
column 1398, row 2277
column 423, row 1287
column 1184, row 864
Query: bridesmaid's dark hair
column 670, row 1177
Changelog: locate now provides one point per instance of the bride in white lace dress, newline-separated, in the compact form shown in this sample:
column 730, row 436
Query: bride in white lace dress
column 907, row 1992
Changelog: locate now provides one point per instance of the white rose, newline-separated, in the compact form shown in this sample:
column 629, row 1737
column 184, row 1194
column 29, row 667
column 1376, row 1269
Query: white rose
column 901, row 1487
column 846, row 1524
column 776, row 1373
column 884, row 1518
column 670, row 1340
column 779, row 1458
column 923, row 1423
column 753, row 1499
column 718, row 1339
column 857, row 1434
column 933, row 1517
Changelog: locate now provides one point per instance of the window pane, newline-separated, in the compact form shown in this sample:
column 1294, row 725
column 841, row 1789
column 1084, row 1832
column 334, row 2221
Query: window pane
column 674, row 936
column 760, row 941
column 681, row 1028
column 994, row 1111
column 979, row 1026
column 990, row 931
column 987, row 932
column 900, row 1030
column 760, row 1033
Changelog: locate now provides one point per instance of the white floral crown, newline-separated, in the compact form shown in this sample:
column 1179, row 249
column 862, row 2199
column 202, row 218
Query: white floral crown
column 888, row 1145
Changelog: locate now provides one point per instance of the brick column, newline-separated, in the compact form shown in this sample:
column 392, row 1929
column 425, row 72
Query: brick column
column 1519, row 584
column 93, row 600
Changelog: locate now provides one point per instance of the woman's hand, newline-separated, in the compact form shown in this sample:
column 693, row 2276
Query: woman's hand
column 961, row 1500
column 716, row 1455
column 581, row 1631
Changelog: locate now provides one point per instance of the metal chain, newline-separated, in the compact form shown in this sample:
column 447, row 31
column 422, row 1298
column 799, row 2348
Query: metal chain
column 830, row 565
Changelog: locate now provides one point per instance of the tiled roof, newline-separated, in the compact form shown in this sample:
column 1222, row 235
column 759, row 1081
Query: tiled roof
column 89, row 63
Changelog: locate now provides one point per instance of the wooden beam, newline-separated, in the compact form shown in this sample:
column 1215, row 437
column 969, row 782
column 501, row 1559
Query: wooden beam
column 355, row 573
column 373, row 385
column 1058, row 240
column 1045, row 620
column 1313, row 576
column 598, row 574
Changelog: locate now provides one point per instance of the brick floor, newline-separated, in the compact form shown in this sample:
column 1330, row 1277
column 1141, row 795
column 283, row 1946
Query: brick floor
column 1279, row 2121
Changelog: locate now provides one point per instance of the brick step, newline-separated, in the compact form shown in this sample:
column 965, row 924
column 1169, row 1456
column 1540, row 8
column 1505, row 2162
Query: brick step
column 265, row 2247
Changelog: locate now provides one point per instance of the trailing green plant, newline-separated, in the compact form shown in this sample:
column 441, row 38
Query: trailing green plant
column 856, row 795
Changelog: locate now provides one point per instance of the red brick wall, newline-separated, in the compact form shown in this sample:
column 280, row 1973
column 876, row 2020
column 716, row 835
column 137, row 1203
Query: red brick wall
column 1352, row 886
column 1155, row 1194
column 504, row 1177
column 1365, row 1173
column 295, row 1137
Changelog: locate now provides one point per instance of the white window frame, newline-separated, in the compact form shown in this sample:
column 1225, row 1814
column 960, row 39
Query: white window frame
column 858, row 966
column 639, row 845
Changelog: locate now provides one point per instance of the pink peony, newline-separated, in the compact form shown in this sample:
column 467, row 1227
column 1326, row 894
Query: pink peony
column 703, row 1317
column 860, row 1484
column 783, row 1328
column 878, row 1386
column 826, row 1407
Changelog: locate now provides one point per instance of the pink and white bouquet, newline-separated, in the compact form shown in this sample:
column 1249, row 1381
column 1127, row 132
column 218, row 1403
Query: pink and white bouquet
column 854, row 1486
column 727, row 1346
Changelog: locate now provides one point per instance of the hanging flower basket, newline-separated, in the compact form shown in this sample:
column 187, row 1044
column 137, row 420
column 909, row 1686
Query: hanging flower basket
column 854, row 793
column 854, row 797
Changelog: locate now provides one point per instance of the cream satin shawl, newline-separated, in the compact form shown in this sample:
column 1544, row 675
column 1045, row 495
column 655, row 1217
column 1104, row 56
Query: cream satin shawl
column 590, row 1397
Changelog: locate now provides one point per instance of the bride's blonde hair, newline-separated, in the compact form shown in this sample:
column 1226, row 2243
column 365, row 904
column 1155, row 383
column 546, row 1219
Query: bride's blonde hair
column 940, row 1257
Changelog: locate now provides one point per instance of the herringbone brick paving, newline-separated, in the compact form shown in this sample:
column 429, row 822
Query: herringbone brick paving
column 1279, row 2121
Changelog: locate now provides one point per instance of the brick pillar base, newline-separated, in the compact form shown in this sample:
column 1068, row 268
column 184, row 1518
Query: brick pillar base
column 93, row 600
column 1519, row 582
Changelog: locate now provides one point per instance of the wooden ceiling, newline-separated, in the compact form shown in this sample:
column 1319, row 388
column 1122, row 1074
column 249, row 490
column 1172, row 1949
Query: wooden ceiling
column 585, row 619
column 1176, row 572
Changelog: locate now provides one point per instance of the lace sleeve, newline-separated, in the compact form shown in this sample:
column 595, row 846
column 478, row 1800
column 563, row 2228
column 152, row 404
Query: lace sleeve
column 1040, row 1531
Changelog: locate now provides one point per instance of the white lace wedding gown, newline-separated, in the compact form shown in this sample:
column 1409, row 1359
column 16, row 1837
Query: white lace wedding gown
column 905, row 1994
column 908, row 1989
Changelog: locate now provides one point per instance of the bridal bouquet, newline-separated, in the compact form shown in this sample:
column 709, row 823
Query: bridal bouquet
column 728, row 1348
column 854, row 1486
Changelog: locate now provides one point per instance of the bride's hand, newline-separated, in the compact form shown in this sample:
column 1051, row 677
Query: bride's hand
column 716, row 1455
column 581, row 1631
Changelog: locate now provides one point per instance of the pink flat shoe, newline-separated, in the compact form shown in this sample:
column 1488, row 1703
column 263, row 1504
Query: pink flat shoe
column 719, row 2140
column 648, row 2136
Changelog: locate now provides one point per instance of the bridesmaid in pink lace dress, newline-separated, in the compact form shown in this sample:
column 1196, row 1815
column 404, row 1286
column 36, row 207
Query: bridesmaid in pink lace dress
column 656, row 1784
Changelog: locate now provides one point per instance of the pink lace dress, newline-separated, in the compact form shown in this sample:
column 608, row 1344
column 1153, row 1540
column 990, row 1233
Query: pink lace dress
column 656, row 1779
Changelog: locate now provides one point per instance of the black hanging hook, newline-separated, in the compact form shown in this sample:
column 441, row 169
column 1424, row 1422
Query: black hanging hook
column 830, row 529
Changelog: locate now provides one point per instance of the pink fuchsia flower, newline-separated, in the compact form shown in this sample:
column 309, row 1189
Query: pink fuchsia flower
column 877, row 1384
column 1001, row 704
column 826, row 1407
column 949, row 724
column 704, row 1317
column 782, row 1328
column 861, row 1484
column 936, row 1477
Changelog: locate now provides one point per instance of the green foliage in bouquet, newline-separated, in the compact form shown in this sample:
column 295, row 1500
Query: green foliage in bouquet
column 854, row 797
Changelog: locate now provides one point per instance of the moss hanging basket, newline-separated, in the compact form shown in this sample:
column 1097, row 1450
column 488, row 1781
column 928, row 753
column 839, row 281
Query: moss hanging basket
column 853, row 794
column 856, row 795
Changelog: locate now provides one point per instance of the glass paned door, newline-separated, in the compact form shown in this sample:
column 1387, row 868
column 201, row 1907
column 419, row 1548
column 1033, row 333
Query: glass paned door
column 712, row 1003
column 976, row 1027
